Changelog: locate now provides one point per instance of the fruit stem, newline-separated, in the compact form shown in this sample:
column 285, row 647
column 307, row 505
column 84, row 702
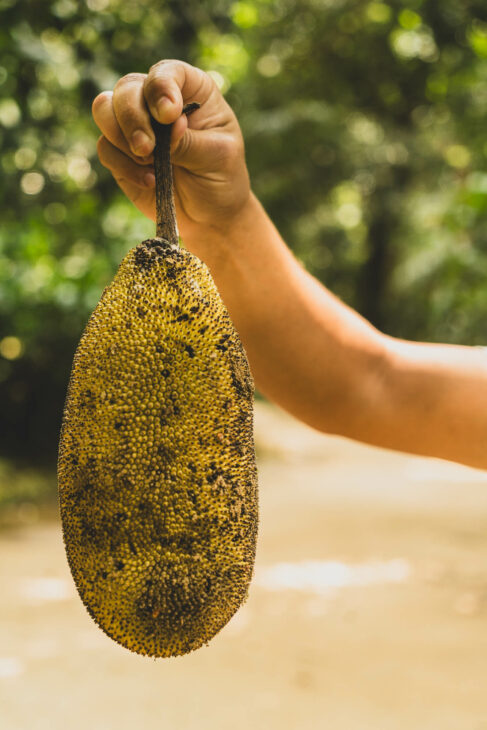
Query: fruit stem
column 166, row 226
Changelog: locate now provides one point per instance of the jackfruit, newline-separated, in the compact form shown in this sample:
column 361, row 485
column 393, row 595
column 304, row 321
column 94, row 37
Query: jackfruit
column 156, row 469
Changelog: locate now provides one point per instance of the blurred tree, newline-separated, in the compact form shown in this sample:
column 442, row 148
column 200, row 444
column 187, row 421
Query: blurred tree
column 364, row 128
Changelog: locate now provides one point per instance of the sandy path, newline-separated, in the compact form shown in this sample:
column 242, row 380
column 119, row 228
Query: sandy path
column 386, row 629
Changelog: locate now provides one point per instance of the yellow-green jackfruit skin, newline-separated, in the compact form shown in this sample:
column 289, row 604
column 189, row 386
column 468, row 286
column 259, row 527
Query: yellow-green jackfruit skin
column 156, row 470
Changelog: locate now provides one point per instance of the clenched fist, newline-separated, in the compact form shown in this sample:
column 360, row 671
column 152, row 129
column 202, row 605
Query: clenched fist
column 211, row 181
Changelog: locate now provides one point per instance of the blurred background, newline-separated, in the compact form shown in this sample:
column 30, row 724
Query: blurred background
column 364, row 127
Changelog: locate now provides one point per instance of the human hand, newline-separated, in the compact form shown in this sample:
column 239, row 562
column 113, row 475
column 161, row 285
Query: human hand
column 211, row 182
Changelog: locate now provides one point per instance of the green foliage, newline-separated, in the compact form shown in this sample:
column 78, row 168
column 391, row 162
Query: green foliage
column 364, row 125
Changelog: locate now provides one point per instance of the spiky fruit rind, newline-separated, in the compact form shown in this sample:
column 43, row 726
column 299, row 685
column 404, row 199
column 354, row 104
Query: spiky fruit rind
column 156, row 470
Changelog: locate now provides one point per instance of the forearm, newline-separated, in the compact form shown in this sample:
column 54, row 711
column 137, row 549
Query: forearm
column 325, row 364
column 437, row 404
column 305, row 347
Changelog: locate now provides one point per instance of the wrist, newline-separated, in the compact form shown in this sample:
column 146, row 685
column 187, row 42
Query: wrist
column 214, row 242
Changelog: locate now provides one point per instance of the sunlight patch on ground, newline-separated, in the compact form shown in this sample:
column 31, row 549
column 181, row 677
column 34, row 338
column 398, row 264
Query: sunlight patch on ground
column 430, row 470
column 45, row 590
column 42, row 648
column 10, row 667
column 322, row 576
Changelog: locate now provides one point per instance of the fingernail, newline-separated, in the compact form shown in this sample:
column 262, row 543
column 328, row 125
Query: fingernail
column 162, row 106
column 141, row 143
column 149, row 180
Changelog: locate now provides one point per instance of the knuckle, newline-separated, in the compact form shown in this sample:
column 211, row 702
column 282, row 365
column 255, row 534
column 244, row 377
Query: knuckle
column 100, row 100
column 156, row 66
column 163, row 62
column 203, row 85
column 207, row 79
column 162, row 73
column 130, row 78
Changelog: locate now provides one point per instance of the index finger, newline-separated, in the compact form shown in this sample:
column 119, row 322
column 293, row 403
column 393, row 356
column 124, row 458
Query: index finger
column 103, row 111
column 170, row 84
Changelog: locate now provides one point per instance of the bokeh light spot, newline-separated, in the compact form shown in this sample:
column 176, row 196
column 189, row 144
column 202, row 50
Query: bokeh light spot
column 32, row 183
column 268, row 65
column 11, row 348
column 379, row 12
column 55, row 213
column 457, row 155
column 24, row 158
column 9, row 113
column 245, row 15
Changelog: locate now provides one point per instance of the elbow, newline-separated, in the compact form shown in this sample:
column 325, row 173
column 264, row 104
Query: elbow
column 357, row 404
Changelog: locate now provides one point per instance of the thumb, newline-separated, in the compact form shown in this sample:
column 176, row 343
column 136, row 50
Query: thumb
column 201, row 151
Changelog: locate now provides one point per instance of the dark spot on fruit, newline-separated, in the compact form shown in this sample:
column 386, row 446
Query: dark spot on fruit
column 143, row 257
column 165, row 452
column 213, row 476
column 127, row 483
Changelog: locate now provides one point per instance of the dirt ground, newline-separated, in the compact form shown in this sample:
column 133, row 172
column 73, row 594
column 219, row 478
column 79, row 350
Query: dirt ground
column 368, row 609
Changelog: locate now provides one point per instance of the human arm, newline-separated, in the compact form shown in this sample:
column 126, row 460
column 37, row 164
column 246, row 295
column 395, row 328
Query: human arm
column 308, row 351
column 329, row 367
